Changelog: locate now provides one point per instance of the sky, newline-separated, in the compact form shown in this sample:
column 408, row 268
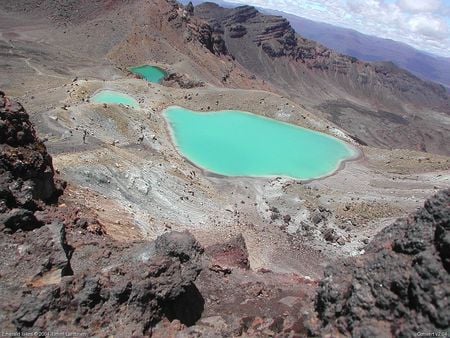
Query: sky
column 423, row 24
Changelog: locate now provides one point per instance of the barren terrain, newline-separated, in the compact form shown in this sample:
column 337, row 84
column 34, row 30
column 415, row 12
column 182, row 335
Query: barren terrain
column 128, row 173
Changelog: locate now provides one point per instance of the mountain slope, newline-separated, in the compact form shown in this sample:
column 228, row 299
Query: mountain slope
column 371, row 48
column 379, row 103
column 362, row 46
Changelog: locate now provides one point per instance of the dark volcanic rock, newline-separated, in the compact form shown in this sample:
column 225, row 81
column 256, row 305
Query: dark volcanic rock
column 237, row 31
column 190, row 8
column 401, row 286
column 229, row 254
column 181, row 81
column 179, row 245
column 241, row 14
column 16, row 219
column 210, row 37
column 139, row 286
column 26, row 170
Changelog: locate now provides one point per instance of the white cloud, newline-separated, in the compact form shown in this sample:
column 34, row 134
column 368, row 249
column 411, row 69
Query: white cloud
column 419, row 5
column 426, row 25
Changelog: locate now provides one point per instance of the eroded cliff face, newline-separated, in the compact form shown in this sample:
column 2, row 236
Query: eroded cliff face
column 275, row 36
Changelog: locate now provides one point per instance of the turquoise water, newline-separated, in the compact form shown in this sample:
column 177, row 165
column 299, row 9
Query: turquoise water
column 235, row 143
column 149, row 73
column 113, row 97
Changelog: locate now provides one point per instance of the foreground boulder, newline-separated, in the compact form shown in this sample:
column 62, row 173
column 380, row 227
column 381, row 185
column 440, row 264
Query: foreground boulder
column 229, row 255
column 400, row 287
column 139, row 286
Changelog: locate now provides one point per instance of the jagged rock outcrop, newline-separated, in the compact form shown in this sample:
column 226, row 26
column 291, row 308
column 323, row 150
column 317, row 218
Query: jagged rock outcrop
column 195, row 29
column 26, row 172
column 237, row 31
column 190, row 8
column 110, row 287
column 210, row 37
column 181, row 81
column 241, row 14
column 401, row 286
column 138, row 287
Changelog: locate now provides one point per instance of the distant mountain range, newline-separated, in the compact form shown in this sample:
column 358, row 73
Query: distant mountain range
column 365, row 47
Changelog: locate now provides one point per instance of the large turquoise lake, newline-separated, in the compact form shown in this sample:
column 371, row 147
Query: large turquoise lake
column 113, row 97
column 235, row 143
column 149, row 73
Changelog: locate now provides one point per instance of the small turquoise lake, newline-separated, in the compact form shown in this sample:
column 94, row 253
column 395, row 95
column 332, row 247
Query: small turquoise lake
column 236, row 143
column 149, row 73
column 113, row 97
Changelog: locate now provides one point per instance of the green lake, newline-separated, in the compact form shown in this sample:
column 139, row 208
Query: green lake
column 236, row 143
column 149, row 73
column 113, row 97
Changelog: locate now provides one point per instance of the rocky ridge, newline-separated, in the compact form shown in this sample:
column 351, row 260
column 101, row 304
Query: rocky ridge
column 275, row 36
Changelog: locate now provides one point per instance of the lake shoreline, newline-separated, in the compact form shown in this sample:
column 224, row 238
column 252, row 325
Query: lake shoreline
column 357, row 152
